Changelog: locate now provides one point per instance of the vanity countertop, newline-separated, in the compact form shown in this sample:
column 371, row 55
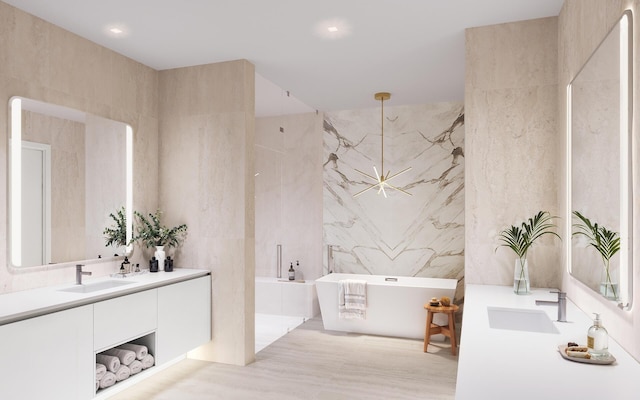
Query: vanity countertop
column 497, row 363
column 25, row 304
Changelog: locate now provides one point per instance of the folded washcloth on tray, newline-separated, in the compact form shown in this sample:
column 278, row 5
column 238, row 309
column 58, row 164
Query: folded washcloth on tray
column 135, row 367
column 126, row 357
column 109, row 379
column 100, row 371
column 112, row 363
column 140, row 350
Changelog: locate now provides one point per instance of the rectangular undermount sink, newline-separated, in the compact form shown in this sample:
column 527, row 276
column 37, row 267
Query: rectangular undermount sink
column 520, row 320
column 94, row 287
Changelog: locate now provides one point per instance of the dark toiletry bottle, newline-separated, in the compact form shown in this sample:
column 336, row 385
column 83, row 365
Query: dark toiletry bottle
column 125, row 267
column 168, row 264
column 153, row 264
column 292, row 273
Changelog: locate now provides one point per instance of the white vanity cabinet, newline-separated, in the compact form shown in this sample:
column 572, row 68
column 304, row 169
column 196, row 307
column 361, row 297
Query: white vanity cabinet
column 184, row 317
column 48, row 357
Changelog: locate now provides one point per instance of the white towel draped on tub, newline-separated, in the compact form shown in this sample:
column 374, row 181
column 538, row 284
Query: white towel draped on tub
column 352, row 299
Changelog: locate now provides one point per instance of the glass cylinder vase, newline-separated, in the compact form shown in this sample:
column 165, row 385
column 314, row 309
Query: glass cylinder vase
column 521, row 283
column 610, row 282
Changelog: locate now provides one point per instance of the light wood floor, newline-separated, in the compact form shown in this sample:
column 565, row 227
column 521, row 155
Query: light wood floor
column 312, row 364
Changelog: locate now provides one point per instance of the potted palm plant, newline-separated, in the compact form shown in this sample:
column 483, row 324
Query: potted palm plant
column 520, row 238
column 153, row 234
column 116, row 234
column 607, row 244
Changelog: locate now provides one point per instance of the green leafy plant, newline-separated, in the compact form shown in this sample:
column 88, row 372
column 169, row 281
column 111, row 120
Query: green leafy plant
column 152, row 233
column 605, row 241
column 520, row 238
column 116, row 235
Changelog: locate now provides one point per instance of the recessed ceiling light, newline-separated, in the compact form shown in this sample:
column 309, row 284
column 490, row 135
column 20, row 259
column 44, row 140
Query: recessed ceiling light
column 334, row 28
column 116, row 30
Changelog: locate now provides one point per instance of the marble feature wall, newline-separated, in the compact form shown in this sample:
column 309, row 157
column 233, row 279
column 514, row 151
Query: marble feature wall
column 513, row 167
column 288, row 185
column 418, row 235
column 207, row 182
column 35, row 58
column 582, row 26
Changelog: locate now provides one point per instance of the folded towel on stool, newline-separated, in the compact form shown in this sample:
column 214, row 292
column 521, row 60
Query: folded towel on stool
column 148, row 361
column 135, row 367
column 126, row 356
column 112, row 363
column 140, row 350
column 123, row 373
column 100, row 371
column 109, row 379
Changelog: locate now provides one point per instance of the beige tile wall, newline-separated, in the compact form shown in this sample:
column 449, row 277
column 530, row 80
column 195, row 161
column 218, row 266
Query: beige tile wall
column 512, row 166
column 207, row 181
column 39, row 60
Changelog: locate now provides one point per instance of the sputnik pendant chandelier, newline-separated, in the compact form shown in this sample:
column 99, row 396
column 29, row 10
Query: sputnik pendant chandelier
column 382, row 181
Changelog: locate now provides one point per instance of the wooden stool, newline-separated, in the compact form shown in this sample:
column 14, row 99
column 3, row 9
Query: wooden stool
column 446, row 330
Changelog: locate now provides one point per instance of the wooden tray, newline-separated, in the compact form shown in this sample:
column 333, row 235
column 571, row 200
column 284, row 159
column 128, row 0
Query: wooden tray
column 600, row 361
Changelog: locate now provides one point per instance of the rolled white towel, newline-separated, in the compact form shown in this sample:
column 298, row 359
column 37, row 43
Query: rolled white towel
column 126, row 356
column 98, row 384
column 123, row 373
column 135, row 367
column 109, row 379
column 148, row 361
column 140, row 350
column 112, row 363
column 100, row 371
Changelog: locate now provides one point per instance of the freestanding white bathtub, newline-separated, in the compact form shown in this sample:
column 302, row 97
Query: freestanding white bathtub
column 281, row 297
column 395, row 304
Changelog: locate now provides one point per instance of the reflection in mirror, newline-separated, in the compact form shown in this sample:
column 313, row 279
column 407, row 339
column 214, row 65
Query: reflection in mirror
column 68, row 171
column 600, row 142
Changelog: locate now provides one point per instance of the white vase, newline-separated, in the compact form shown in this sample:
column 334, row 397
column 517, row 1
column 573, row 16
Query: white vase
column 160, row 256
column 521, row 283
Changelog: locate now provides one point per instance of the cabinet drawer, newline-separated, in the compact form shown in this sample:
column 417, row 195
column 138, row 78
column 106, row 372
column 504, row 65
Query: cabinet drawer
column 124, row 318
column 184, row 317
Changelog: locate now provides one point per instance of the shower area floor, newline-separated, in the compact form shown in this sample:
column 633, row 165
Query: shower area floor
column 270, row 327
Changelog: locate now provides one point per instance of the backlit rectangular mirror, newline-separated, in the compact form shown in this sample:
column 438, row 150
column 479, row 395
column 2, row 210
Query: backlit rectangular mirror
column 68, row 170
column 599, row 122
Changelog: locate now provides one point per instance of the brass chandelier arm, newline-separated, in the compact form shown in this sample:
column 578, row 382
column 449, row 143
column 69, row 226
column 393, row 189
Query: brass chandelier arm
column 399, row 173
column 400, row 190
column 365, row 190
column 367, row 175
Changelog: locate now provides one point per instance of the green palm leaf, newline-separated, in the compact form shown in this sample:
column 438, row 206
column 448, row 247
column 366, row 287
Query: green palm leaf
column 521, row 238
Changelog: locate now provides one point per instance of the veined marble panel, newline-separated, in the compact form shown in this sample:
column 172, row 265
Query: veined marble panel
column 417, row 235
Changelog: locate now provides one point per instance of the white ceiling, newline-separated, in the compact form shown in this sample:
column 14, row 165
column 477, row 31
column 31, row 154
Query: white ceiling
column 411, row 48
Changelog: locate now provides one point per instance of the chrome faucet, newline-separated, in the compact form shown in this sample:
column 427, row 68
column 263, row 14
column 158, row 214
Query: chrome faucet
column 561, row 303
column 79, row 273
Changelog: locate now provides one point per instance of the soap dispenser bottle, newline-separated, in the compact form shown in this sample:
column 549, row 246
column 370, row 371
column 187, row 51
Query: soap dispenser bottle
column 125, row 267
column 292, row 273
column 153, row 264
column 598, row 339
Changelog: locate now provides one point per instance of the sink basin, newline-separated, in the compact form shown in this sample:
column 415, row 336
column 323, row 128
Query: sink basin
column 94, row 287
column 520, row 320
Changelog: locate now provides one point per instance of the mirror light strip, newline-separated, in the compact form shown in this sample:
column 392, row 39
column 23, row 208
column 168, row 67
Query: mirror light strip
column 16, row 185
column 129, row 189
column 568, row 215
column 625, row 148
